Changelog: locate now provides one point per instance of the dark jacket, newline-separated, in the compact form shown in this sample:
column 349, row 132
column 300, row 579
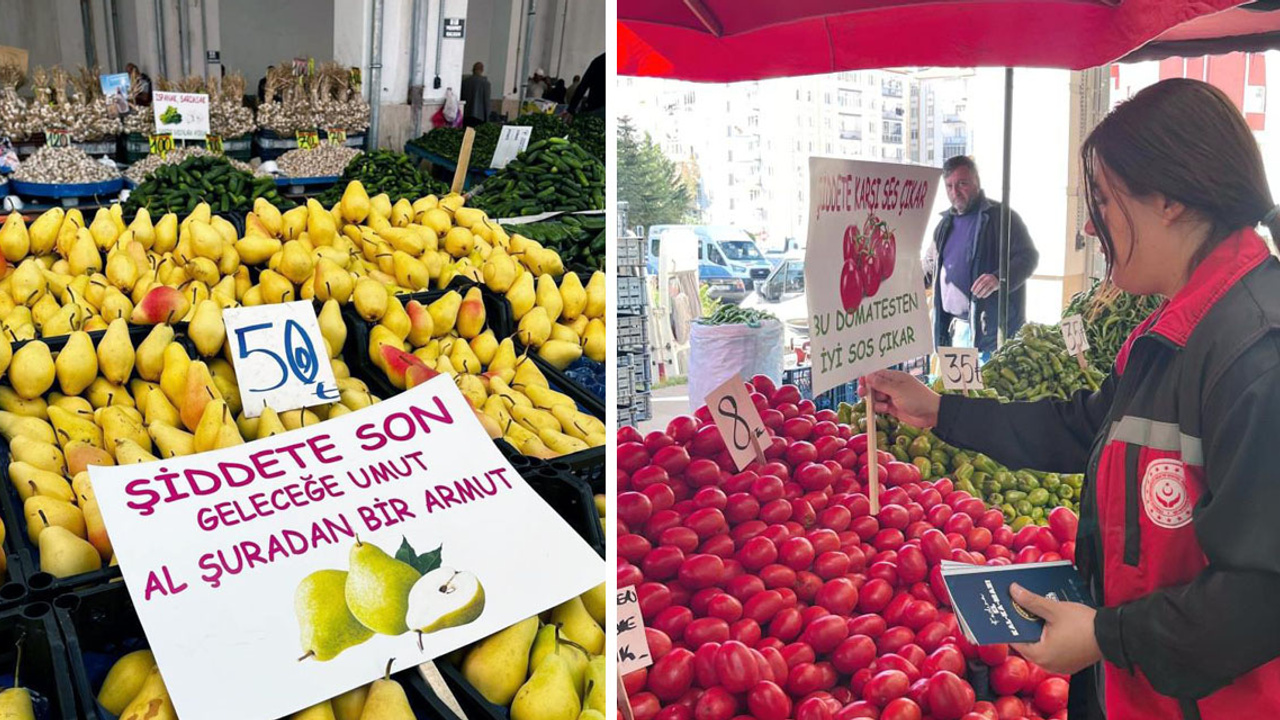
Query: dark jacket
column 1178, row 535
column 589, row 97
column 985, row 259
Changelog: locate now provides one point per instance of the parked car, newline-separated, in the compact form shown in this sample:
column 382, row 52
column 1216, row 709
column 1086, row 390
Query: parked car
column 729, row 261
column 782, row 293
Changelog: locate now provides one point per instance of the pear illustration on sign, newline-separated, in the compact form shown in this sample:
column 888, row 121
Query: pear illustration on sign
column 870, row 255
column 381, row 594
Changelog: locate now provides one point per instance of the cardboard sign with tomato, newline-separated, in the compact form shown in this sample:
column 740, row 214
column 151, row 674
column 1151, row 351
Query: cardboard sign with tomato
column 863, row 280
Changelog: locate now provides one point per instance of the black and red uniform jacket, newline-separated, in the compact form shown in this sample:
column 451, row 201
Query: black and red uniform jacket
column 1180, row 521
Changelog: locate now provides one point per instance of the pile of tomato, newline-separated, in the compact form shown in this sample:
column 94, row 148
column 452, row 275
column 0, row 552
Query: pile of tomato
column 775, row 593
column 870, row 255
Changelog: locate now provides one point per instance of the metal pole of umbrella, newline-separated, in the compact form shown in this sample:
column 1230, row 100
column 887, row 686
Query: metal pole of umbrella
column 1006, row 220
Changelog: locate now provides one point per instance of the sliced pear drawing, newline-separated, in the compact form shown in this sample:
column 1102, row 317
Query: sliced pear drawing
column 444, row 598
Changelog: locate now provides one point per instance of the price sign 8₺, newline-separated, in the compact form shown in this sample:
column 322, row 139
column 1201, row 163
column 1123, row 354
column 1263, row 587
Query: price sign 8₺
column 959, row 368
column 280, row 352
column 738, row 420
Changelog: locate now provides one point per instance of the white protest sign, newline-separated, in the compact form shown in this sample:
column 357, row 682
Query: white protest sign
column 738, row 420
column 242, row 560
column 959, row 366
column 184, row 115
column 1073, row 335
column 513, row 140
column 863, row 280
column 633, row 646
column 280, row 354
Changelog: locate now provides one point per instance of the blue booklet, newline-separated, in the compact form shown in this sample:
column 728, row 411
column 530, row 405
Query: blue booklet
column 985, row 611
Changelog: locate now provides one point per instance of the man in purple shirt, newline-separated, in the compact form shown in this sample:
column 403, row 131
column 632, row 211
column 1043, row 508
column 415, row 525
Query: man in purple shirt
column 964, row 258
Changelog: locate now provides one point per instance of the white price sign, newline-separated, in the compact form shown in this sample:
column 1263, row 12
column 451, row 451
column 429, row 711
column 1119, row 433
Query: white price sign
column 960, row 368
column 513, row 140
column 279, row 352
column 738, row 420
column 633, row 646
column 183, row 115
column 1073, row 335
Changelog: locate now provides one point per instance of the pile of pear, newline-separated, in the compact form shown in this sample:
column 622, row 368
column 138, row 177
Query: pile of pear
column 135, row 690
column 62, row 274
column 548, row 667
column 561, row 321
column 412, row 343
column 107, row 402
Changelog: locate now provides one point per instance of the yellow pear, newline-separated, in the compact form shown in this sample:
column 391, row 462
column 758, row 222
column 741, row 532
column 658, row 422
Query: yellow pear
column 152, row 702
column 44, row 231
column 595, row 307
column 76, row 364
column 534, row 328
column 172, row 441
column 444, row 313
column 126, row 677
column 269, row 216
column 355, row 203
column 332, row 328
column 522, row 295
column 332, row 281
column 594, row 342
column 559, row 353
column 115, row 352
column 370, row 299
column 207, row 329
column 549, row 298
column 150, row 355
column 32, row 371
column 15, row 242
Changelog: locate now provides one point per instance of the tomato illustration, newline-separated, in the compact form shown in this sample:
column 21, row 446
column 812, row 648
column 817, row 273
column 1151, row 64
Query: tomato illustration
column 850, row 285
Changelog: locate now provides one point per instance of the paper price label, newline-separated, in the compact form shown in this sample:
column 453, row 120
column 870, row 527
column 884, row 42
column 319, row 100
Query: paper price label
column 337, row 136
column 213, row 143
column 738, row 420
column 280, row 350
column 160, row 144
column 960, row 368
column 57, row 138
column 308, row 139
column 1073, row 335
column 513, row 140
column 633, row 647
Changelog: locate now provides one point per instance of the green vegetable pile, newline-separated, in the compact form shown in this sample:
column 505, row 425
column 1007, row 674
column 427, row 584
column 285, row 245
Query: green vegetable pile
column 588, row 131
column 384, row 171
column 552, row 175
column 202, row 178
column 1110, row 314
column 1024, row 496
column 1035, row 365
column 544, row 126
column 734, row 315
column 170, row 116
column 580, row 239
column 447, row 143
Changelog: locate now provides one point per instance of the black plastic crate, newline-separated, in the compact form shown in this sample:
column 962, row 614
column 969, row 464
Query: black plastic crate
column 585, row 464
column 45, row 670
column 41, row 584
column 569, row 495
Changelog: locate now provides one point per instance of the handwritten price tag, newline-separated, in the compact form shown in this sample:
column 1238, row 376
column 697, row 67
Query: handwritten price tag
column 160, row 144
column 337, row 136
column 281, row 349
column 633, row 647
column 960, row 368
column 1073, row 335
column 738, row 420
column 513, row 140
column 213, row 143
column 308, row 139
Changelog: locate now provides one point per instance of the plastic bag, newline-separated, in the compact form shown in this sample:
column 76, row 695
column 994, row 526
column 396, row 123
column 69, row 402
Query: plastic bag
column 716, row 352
column 450, row 109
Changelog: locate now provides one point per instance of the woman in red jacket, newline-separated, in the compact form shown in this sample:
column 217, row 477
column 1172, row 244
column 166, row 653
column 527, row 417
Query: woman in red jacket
column 1179, row 536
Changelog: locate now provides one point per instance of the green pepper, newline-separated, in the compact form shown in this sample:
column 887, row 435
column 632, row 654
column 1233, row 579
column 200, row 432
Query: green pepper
column 1037, row 514
column 1023, row 507
column 926, row 467
column 990, row 486
column 1066, row 492
column 903, row 442
column 920, row 447
column 1007, row 480
column 899, row 454
column 1014, row 496
column 1038, row 497
column 995, row 499
column 939, row 470
column 966, row 486
column 1051, row 482
column 964, row 472
column 985, row 464
column 939, row 457
column 1019, row 523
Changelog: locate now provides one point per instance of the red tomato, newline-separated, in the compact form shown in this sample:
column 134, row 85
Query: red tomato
column 851, row 284
column 901, row 709
column 1009, row 677
column 716, row 704
column 853, row 654
column 736, row 667
column 949, row 696
column 672, row 675
column 768, row 701
column 645, row 706
column 1051, row 695
column 885, row 686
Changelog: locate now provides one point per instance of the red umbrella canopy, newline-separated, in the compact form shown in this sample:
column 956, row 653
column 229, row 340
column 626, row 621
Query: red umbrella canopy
column 732, row 40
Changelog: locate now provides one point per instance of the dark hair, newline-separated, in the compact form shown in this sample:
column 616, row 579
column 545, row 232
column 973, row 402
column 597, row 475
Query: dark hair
column 1186, row 140
column 959, row 161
